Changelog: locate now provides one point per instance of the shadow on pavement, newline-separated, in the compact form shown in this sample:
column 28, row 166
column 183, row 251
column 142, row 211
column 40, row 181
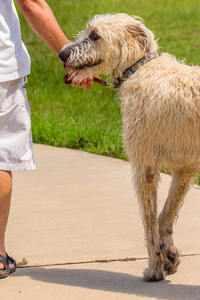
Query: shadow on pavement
column 112, row 282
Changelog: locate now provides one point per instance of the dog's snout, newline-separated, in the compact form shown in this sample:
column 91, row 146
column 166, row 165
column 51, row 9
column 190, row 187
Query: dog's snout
column 64, row 55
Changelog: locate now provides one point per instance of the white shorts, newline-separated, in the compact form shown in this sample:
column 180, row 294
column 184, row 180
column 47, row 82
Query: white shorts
column 16, row 146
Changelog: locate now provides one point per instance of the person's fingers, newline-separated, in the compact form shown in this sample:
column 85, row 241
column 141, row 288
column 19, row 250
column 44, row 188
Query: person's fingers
column 83, row 83
column 80, row 84
column 90, row 83
column 70, row 71
column 66, row 68
column 75, row 83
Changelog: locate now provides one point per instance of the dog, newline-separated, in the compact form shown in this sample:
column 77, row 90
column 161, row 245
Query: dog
column 160, row 103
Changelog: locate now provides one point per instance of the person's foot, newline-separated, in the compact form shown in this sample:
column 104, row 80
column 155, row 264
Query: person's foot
column 7, row 265
column 2, row 267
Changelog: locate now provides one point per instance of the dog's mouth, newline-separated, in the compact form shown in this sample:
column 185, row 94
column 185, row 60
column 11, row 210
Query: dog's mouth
column 84, row 65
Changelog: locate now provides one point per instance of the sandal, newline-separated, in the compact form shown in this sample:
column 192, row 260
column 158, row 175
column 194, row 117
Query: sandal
column 6, row 261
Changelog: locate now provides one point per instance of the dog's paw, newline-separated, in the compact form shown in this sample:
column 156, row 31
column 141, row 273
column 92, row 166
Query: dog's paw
column 172, row 262
column 150, row 276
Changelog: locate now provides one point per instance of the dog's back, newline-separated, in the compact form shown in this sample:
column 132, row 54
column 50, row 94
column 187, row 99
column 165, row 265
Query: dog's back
column 161, row 103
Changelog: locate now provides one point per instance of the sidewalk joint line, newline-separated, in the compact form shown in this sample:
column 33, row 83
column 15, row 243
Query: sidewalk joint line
column 81, row 262
column 93, row 261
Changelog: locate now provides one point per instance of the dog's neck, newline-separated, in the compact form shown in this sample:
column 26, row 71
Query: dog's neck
column 131, row 70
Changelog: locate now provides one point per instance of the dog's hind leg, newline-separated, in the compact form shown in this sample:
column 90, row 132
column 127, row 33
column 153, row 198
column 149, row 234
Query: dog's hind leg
column 179, row 187
column 146, row 181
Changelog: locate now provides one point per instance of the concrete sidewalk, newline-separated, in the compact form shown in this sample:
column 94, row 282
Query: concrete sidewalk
column 78, row 210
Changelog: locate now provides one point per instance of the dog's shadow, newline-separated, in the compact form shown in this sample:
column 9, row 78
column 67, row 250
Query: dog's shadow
column 112, row 282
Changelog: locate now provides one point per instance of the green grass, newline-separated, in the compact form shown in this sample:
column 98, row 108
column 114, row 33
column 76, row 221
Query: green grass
column 69, row 117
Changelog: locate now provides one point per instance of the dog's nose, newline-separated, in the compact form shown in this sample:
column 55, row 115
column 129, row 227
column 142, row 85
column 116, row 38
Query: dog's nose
column 64, row 55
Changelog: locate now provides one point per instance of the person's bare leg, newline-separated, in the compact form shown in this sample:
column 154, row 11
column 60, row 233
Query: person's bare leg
column 5, row 198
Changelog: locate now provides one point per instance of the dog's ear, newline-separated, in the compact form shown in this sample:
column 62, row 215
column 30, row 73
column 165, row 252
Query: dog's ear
column 140, row 33
column 136, row 30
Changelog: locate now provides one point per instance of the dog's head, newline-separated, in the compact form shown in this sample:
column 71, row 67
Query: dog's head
column 109, row 45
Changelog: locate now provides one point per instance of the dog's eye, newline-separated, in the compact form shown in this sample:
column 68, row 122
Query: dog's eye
column 94, row 37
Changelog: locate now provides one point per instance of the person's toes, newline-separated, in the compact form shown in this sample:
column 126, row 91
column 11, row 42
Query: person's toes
column 2, row 267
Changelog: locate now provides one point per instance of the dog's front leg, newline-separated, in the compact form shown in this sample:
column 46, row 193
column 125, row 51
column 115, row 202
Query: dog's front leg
column 179, row 187
column 146, row 181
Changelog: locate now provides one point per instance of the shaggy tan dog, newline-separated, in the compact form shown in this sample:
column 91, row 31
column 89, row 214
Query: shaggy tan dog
column 161, row 120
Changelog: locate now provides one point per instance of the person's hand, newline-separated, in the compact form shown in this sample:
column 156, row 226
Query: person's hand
column 77, row 83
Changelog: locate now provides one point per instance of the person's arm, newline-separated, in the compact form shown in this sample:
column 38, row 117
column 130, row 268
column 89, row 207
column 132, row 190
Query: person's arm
column 41, row 18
